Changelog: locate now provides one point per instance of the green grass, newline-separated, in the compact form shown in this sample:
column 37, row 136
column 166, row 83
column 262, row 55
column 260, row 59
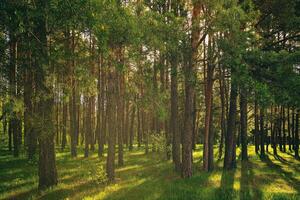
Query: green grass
column 152, row 177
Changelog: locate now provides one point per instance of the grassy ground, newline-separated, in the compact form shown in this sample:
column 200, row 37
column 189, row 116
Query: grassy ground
column 151, row 177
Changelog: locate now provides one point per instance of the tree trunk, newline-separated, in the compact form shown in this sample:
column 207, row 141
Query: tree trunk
column 44, row 127
column 297, row 135
column 186, row 170
column 15, row 121
column 283, row 130
column 208, row 133
column 131, row 137
column 280, row 130
column 31, row 138
column 64, row 126
column 139, row 131
column 256, row 127
column 230, row 133
column 111, row 117
column 103, row 110
column 289, row 129
column 274, row 130
column 174, row 123
column 243, row 115
column 120, row 117
column 223, row 109
column 262, row 133
column 293, row 128
column 47, row 163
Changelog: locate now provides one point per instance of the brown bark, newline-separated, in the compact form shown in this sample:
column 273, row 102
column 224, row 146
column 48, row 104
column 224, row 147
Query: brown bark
column 28, row 115
column 243, row 116
column 208, row 133
column 103, row 110
column 111, row 117
column 64, row 125
column 120, row 117
column 229, row 158
column 88, row 126
column 44, row 127
column 186, row 170
column 174, row 123
column 296, row 143
column 15, row 121
column 223, row 108
column 131, row 131
column 289, row 140
column 262, row 132
column 283, row 129
column 256, row 127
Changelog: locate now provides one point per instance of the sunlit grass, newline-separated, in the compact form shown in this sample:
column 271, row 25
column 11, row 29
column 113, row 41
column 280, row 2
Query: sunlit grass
column 152, row 177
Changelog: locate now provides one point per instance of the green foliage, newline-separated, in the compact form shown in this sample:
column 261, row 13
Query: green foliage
column 159, row 143
column 97, row 173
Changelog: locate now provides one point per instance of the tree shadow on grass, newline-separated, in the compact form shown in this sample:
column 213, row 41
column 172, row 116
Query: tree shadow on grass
column 23, row 195
column 248, row 187
column 291, row 164
column 287, row 176
column 163, row 188
column 157, row 180
column 80, row 190
column 226, row 189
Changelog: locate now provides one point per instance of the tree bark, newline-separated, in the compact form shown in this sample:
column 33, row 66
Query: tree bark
column 174, row 123
column 208, row 133
column 190, row 78
column 296, row 147
column 256, row 127
column 229, row 157
column 262, row 132
column 44, row 126
column 223, row 109
column 243, row 115
column 111, row 117
column 131, row 136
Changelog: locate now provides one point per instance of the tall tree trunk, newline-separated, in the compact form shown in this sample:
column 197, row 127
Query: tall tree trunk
column 131, row 131
column 208, row 133
column 139, row 131
column 283, row 129
column 229, row 157
column 64, row 126
column 47, row 164
column 186, row 170
column 99, row 110
column 15, row 121
column 297, row 135
column 120, row 117
column 103, row 110
column 243, row 115
column 262, row 132
column 88, row 127
column 289, row 129
column 280, row 130
column 111, row 117
column 174, row 123
column 293, row 128
column 223, row 109
column 256, row 127
column 28, row 115
column 274, row 130
column 70, row 49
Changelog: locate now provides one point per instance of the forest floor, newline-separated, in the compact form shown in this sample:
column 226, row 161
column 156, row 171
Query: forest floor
column 152, row 177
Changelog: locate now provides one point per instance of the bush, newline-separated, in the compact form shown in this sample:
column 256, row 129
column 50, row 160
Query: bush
column 97, row 173
column 159, row 143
